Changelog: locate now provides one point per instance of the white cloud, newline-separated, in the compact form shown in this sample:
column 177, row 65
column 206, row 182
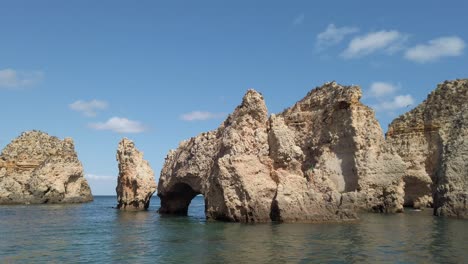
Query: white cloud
column 200, row 115
column 399, row 101
column 390, row 41
column 100, row 177
column 13, row 79
column 298, row 20
column 380, row 89
column 436, row 49
column 89, row 108
column 120, row 125
column 333, row 35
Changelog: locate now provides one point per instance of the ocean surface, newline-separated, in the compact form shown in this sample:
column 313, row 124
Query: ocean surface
column 97, row 233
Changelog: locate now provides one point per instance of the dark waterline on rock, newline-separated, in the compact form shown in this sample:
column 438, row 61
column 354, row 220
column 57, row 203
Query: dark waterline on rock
column 94, row 232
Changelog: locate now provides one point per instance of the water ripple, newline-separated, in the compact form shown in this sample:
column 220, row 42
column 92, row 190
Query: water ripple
column 95, row 232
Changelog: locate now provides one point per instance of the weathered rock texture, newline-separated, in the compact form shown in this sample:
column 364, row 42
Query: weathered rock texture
column 38, row 168
column 317, row 161
column 136, row 183
column 432, row 139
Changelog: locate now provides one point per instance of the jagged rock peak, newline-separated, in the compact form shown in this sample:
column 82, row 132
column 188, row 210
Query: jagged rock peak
column 333, row 90
column 136, row 183
column 39, row 168
column 253, row 105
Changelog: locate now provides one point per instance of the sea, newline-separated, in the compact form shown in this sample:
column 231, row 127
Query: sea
column 98, row 233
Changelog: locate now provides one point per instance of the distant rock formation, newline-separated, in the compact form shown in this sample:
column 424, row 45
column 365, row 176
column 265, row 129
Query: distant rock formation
column 432, row 139
column 319, row 160
column 38, row 168
column 136, row 183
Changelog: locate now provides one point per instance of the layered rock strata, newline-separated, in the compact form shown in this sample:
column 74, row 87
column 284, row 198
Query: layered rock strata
column 432, row 139
column 136, row 183
column 319, row 160
column 38, row 168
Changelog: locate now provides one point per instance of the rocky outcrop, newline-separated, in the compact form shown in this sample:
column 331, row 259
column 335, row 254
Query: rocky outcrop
column 344, row 149
column 136, row 183
column 38, row 168
column 319, row 160
column 432, row 140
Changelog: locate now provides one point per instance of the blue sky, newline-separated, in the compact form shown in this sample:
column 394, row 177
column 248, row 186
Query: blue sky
column 159, row 72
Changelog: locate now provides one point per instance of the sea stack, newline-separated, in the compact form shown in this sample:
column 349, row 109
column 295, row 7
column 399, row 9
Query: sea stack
column 320, row 160
column 136, row 183
column 432, row 139
column 37, row 168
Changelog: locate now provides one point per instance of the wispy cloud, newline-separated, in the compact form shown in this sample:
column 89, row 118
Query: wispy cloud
column 88, row 108
column 120, row 125
column 435, row 49
column 12, row 79
column 201, row 115
column 381, row 89
column 100, row 177
column 298, row 20
column 399, row 101
column 333, row 35
column 363, row 45
column 382, row 97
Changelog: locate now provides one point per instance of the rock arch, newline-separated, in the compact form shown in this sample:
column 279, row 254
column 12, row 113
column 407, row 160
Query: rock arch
column 177, row 199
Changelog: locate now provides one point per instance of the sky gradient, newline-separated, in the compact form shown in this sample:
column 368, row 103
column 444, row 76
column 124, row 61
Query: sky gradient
column 159, row 72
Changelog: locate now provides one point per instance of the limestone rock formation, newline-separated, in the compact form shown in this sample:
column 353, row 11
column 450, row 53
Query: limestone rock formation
column 344, row 149
column 38, row 168
column 136, row 183
column 432, row 140
column 319, row 160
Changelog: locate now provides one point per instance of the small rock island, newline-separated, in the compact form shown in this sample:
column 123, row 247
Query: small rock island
column 37, row 168
column 136, row 183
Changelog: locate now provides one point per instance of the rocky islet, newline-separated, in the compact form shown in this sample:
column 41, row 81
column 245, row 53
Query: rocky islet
column 135, row 183
column 39, row 168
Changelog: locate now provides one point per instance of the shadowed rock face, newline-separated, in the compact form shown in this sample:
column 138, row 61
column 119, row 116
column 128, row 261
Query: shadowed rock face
column 38, row 168
column 432, row 139
column 319, row 160
column 136, row 183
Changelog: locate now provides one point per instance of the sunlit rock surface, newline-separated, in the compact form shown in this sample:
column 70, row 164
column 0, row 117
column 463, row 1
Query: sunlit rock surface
column 136, row 183
column 320, row 160
column 432, row 139
column 38, row 168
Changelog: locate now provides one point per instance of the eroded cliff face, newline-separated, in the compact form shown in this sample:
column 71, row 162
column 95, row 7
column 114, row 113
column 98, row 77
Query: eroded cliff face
column 38, row 168
column 319, row 160
column 432, row 141
column 136, row 183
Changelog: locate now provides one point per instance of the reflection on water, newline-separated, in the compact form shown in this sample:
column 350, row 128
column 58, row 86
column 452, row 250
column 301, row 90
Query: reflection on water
column 96, row 232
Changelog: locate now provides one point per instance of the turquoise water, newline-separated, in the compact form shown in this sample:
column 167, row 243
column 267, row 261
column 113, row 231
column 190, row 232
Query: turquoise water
column 97, row 233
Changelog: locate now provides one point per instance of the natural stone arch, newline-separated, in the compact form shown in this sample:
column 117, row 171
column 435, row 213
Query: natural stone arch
column 177, row 199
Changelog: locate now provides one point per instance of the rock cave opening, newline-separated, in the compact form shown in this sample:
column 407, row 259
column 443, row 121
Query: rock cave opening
column 178, row 200
column 418, row 193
